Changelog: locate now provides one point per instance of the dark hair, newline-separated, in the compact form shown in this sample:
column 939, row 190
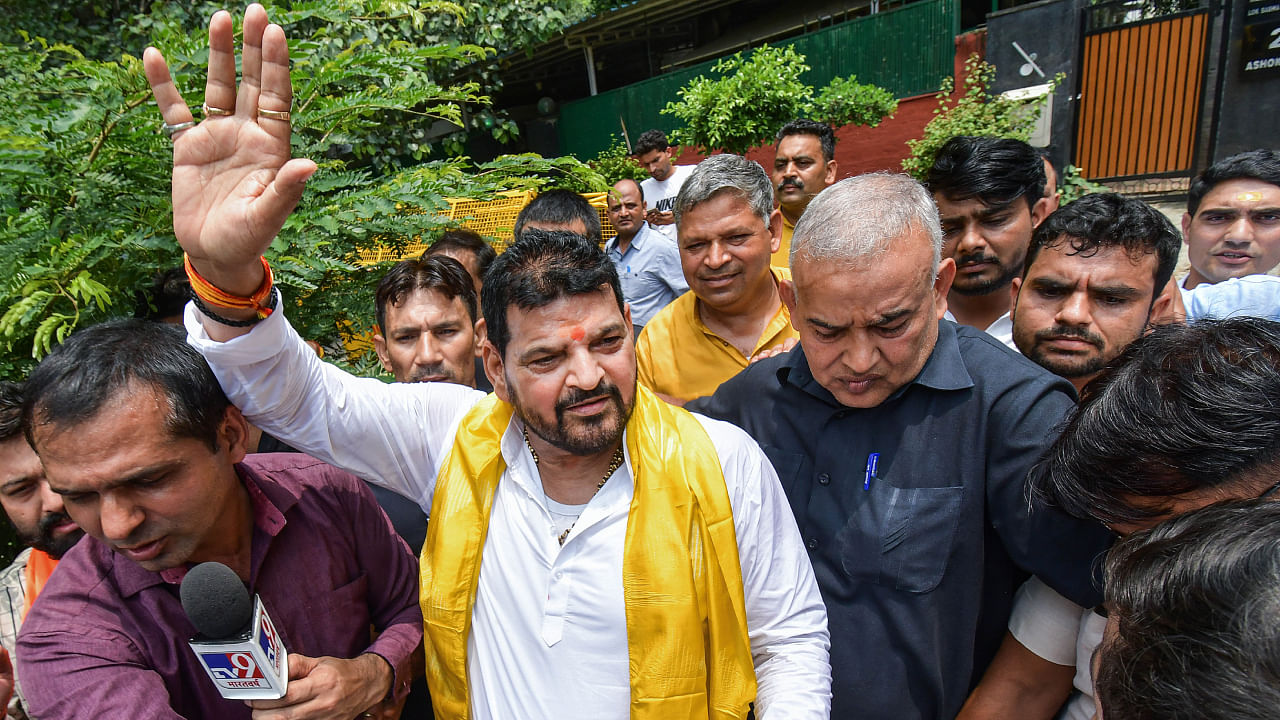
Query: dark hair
column 465, row 241
column 96, row 364
column 997, row 171
column 10, row 410
column 826, row 136
column 559, row 207
column 165, row 297
column 1185, row 408
column 540, row 267
column 649, row 141
column 435, row 272
column 1195, row 602
column 1259, row 164
column 1094, row 222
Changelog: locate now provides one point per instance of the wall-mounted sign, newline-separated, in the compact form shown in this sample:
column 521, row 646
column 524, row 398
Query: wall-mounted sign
column 1260, row 40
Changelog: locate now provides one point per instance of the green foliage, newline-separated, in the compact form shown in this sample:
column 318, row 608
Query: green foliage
column 614, row 164
column 746, row 105
column 85, row 214
column 1073, row 186
column 752, row 97
column 845, row 101
column 976, row 112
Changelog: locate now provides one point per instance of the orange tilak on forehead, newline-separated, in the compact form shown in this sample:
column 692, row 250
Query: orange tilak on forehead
column 575, row 333
column 1249, row 196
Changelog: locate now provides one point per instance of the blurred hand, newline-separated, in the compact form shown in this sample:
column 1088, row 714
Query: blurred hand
column 775, row 350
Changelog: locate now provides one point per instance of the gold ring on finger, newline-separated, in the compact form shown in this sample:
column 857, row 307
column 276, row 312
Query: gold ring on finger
column 211, row 111
column 274, row 114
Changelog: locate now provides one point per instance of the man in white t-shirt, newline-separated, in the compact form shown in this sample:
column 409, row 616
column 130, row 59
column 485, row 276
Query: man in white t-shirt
column 653, row 152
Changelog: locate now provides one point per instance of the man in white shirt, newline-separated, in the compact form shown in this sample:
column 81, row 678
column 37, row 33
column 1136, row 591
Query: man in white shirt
column 1232, row 223
column 653, row 152
column 548, row 479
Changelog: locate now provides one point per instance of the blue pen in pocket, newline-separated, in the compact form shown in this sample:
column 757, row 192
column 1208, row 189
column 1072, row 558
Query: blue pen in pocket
column 872, row 461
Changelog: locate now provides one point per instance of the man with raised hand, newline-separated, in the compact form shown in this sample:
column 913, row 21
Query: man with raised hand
column 592, row 551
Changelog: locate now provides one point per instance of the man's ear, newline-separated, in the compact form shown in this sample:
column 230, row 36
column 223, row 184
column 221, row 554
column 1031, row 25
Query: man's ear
column 495, row 369
column 942, row 285
column 1186, row 226
column 775, row 231
column 1168, row 307
column 787, row 289
column 233, row 433
column 380, row 348
column 1039, row 211
column 481, row 331
column 832, row 169
column 1015, row 289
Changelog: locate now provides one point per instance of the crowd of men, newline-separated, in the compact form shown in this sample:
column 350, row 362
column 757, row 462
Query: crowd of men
column 916, row 418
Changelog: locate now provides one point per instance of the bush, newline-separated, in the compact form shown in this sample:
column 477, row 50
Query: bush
column 614, row 164
column 754, row 96
column 977, row 112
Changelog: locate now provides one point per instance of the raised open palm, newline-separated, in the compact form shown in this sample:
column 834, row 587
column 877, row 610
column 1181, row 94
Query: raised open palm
column 234, row 183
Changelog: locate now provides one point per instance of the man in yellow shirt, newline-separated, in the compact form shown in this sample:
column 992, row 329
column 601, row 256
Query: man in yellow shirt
column 803, row 165
column 727, row 230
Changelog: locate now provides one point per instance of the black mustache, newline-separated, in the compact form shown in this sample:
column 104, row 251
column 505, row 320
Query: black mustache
column 978, row 257
column 578, row 396
column 1066, row 331
column 51, row 520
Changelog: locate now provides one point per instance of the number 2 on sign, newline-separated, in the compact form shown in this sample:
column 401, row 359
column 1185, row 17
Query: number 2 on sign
column 1275, row 39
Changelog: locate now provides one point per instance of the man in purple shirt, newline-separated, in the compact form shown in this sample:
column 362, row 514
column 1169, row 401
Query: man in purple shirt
column 149, row 457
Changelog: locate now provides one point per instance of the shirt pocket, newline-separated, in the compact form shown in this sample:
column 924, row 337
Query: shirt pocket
column 901, row 537
column 790, row 466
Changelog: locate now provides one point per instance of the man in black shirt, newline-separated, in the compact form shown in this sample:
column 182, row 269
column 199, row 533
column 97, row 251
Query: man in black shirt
column 903, row 442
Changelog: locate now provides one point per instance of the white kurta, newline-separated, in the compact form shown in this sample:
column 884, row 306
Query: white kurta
column 548, row 635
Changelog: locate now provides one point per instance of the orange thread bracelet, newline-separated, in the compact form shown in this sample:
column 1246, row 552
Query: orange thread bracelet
column 213, row 295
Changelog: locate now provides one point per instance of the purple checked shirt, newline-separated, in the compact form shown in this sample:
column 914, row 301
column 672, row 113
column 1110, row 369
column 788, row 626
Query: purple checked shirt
column 108, row 639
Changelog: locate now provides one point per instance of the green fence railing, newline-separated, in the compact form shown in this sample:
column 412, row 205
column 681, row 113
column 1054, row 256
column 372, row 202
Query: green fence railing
column 908, row 50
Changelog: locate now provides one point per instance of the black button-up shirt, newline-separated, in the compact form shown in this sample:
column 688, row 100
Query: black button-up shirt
column 918, row 563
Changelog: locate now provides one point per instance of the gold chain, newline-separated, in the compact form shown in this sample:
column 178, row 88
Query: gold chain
column 614, row 464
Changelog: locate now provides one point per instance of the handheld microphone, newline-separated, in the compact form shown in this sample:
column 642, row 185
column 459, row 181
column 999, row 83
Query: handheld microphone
column 237, row 643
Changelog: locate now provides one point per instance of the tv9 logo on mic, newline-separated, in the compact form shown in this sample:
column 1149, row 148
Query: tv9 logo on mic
column 233, row 666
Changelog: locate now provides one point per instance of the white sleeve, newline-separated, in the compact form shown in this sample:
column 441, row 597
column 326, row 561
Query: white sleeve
column 1045, row 623
column 786, row 618
column 393, row 435
column 1251, row 295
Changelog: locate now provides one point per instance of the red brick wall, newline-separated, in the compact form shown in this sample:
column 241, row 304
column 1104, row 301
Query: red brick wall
column 862, row 149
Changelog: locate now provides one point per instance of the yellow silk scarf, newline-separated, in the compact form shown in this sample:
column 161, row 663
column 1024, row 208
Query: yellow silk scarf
column 687, row 642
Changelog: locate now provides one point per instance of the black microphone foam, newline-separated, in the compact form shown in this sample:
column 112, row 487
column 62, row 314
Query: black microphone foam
column 215, row 600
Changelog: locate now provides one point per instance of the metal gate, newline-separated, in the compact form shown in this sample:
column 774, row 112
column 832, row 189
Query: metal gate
column 1141, row 79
